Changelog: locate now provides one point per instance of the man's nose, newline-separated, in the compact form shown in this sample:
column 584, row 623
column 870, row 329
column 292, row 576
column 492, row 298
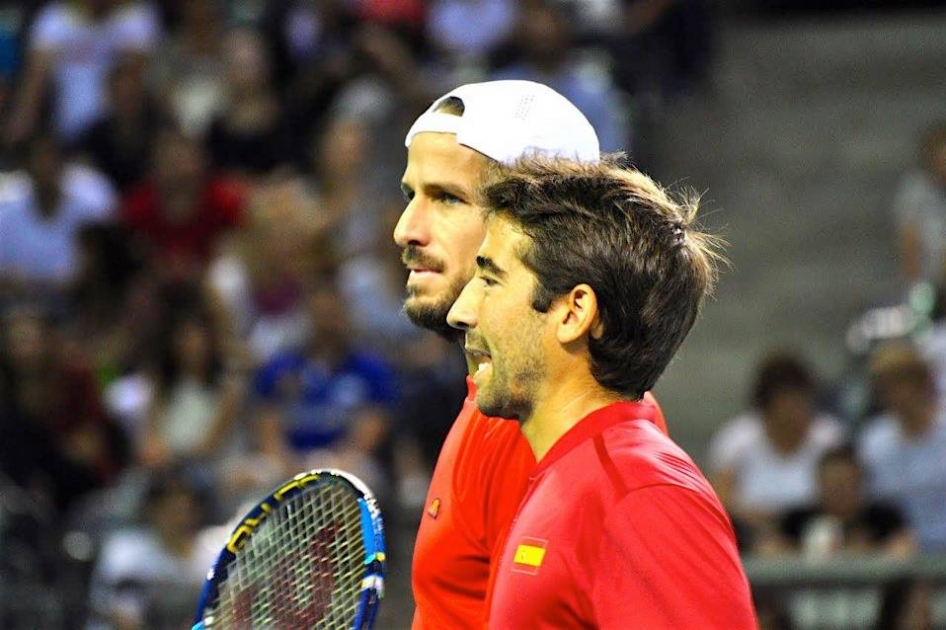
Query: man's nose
column 412, row 227
column 463, row 313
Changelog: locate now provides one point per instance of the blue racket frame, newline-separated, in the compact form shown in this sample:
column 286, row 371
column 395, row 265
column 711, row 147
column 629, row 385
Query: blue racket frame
column 372, row 527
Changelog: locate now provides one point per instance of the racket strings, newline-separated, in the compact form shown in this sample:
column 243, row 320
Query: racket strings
column 302, row 568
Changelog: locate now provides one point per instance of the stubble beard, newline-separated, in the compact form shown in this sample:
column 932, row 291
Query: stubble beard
column 512, row 389
column 432, row 315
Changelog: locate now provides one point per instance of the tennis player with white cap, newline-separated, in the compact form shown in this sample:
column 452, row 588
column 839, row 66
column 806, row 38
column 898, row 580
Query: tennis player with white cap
column 484, row 466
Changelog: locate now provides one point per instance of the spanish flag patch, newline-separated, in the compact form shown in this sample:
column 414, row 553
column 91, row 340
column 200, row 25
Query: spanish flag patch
column 529, row 555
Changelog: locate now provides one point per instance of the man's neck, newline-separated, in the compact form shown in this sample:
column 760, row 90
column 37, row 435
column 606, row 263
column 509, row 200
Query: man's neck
column 562, row 406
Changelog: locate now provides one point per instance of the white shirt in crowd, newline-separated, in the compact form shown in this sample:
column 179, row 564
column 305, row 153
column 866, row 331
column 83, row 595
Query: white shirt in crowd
column 85, row 51
column 910, row 472
column 44, row 250
column 766, row 479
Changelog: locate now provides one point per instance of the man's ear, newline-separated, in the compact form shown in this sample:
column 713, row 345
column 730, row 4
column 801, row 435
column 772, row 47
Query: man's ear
column 577, row 314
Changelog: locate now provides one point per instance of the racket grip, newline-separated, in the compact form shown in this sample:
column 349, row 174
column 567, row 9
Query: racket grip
column 198, row 626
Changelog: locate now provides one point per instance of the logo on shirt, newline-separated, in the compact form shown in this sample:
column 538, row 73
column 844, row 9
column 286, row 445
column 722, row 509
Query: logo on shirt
column 529, row 555
column 434, row 508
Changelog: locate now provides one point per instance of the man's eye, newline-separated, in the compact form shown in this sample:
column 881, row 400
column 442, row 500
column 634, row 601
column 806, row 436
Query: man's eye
column 488, row 281
column 408, row 195
column 449, row 199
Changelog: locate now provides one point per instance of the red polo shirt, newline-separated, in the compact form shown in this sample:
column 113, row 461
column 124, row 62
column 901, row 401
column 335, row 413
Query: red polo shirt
column 619, row 529
column 480, row 478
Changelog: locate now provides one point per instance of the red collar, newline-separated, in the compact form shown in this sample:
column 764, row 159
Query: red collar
column 594, row 424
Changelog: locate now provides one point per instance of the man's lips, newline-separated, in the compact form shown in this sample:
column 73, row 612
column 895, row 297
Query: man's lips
column 476, row 352
column 417, row 262
column 479, row 357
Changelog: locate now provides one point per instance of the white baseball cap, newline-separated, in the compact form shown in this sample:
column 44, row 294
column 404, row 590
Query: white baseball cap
column 505, row 120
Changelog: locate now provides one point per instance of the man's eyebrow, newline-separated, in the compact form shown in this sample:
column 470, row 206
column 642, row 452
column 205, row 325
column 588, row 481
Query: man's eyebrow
column 434, row 189
column 488, row 265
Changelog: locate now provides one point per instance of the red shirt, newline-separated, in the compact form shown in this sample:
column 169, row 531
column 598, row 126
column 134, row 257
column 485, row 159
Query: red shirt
column 618, row 530
column 219, row 208
column 480, row 478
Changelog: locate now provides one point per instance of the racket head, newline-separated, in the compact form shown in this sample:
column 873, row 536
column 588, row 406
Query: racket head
column 311, row 554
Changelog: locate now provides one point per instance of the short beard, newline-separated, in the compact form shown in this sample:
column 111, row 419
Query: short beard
column 509, row 408
column 433, row 317
column 516, row 400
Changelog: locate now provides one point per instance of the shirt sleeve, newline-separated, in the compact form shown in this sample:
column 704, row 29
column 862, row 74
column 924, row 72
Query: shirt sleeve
column 668, row 560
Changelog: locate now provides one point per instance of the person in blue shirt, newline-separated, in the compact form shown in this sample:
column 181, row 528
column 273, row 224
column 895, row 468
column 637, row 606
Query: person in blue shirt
column 328, row 402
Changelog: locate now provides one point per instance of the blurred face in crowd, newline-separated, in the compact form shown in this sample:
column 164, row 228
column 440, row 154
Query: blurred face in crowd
column 342, row 150
column 202, row 16
column 906, row 396
column 99, row 8
column 544, row 33
column 127, row 90
column 26, row 342
column 175, row 514
column 788, row 416
column 510, row 360
column 441, row 228
column 192, row 346
column 841, row 492
column 327, row 315
column 179, row 165
column 247, row 65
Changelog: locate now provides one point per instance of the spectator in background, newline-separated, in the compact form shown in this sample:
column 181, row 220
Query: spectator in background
column 908, row 604
column 250, row 136
column 845, row 521
column 465, row 33
column 920, row 212
column 662, row 47
column 53, row 394
column 313, row 50
column 352, row 201
column 195, row 396
column 41, row 212
column 258, row 283
column 903, row 448
column 102, row 321
column 119, row 142
column 328, row 402
column 403, row 18
column 147, row 573
column 547, row 55
column 184, row 208
column 72, row 46
column 764, row 462
column 189, row 67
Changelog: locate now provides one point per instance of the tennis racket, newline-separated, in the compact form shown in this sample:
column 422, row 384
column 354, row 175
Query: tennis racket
column 309, row 555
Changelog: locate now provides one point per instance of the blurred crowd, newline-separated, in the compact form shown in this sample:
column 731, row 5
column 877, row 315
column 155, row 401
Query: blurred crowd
column 804, row 472
column 199, row 292
column 198, row 288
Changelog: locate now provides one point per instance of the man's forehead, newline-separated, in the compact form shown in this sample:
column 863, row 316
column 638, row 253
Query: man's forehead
column 441, row 153
column 504, row 241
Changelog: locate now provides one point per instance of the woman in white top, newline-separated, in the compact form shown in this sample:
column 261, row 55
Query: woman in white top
column 765, row 461
column 194, row 402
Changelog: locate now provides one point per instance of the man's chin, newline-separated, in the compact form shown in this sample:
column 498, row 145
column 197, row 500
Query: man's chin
column 489, row 405
column 431, row 316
